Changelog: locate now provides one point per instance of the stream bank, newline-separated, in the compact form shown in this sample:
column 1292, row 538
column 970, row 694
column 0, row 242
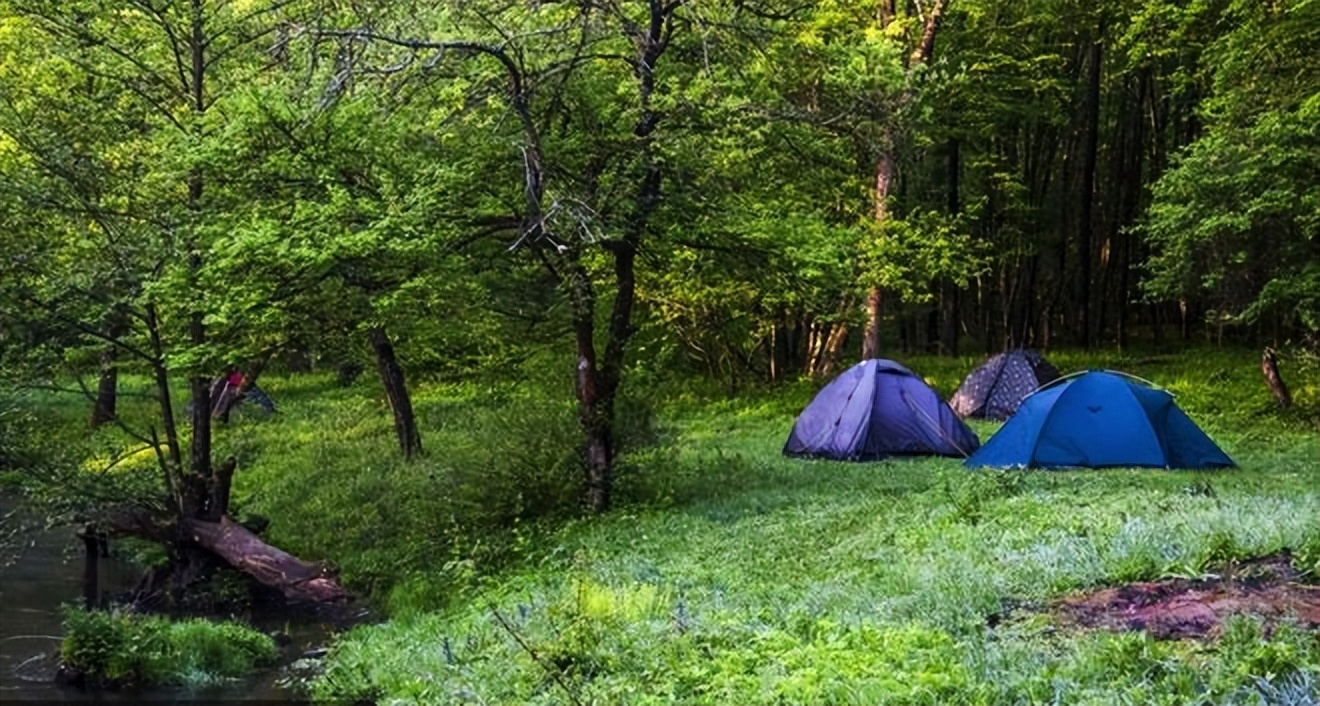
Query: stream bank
column 48, row 574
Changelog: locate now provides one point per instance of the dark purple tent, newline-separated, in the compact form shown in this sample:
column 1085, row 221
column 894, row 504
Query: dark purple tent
column 876, row 409
column 996, row 387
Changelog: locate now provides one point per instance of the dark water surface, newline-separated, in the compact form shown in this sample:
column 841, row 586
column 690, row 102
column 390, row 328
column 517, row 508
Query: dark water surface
column 48, row 574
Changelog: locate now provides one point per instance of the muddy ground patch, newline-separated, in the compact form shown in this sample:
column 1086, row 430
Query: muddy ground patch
column 1266, row 587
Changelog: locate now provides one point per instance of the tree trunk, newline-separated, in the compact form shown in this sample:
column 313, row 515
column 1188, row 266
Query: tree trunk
column 871, row 337
column 200, row 461
column 884, row 181
column 952, row 319
column 597, row 449
column 396, row 391
column 833, row 348
column 1086, row 226
column 926, row 47
column 92, row 542
column 174, row 458
column 885, row 171
column 218, row 495
column 103, row 410
column 1269, row 367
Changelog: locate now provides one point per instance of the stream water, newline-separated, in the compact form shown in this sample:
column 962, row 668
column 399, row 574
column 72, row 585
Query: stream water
column 49, row 574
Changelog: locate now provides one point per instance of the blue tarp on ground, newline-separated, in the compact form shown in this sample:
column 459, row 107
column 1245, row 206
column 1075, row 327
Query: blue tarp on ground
column 876, row 409
column 1099, row 419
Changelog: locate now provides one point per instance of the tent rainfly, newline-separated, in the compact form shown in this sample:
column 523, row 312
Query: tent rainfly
column 877, row 409
column 1099, row 419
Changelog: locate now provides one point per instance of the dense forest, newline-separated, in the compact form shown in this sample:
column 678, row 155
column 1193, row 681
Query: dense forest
column 437, row 202
column 753, row 190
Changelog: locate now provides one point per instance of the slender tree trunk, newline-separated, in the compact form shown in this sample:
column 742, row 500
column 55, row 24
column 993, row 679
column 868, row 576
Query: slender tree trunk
column 598, row 442
column 885, row 171
column 884, row 182
column 1044, row 342
column 103, row 410
column 952, row 319
column 871, row 336
column 174, row 456
column 201, row 409
column 201, row 387
column 1085, row 229
column 832, row 352
column 815, row 346
column 396, row 391
column 948, row 289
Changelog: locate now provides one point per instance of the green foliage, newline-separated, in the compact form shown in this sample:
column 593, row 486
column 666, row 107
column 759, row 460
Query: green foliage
column 1249, row 653
column 1236, row 218
column 501, row 459
column 133, row 650
column 21, row 439
column 911, row 254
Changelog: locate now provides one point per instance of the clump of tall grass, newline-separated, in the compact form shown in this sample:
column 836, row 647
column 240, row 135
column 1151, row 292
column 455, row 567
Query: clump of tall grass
column 125, row 649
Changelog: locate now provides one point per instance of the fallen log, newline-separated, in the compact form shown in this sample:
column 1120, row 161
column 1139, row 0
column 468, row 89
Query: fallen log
column 243, row 550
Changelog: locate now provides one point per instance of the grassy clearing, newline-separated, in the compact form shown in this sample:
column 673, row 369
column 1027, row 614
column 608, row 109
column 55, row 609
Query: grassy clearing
column 732, row 574
column 746, row 577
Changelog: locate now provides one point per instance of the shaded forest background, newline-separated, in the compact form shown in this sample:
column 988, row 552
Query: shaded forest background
column 738, row 189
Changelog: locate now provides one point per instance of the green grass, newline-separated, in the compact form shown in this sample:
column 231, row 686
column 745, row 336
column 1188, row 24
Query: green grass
column 740, row 576
column 729, row 573
column 123, row 649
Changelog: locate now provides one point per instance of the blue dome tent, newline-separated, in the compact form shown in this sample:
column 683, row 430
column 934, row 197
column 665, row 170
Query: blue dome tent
column 877, row 409
column 1098, row 419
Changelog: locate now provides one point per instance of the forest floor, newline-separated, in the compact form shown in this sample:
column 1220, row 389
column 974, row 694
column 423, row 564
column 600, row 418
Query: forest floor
column 728, row 573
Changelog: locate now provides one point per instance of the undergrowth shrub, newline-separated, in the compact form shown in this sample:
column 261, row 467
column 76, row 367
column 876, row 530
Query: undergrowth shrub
column 124, row 649
column 501, row 463
column 19, row 438
column 1249, row 653
column 33, row 438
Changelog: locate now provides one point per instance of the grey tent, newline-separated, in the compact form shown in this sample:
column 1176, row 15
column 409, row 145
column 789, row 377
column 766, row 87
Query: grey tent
column 996, row 387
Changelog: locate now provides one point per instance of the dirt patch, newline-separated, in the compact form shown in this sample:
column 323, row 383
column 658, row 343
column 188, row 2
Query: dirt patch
column 1181, row 608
